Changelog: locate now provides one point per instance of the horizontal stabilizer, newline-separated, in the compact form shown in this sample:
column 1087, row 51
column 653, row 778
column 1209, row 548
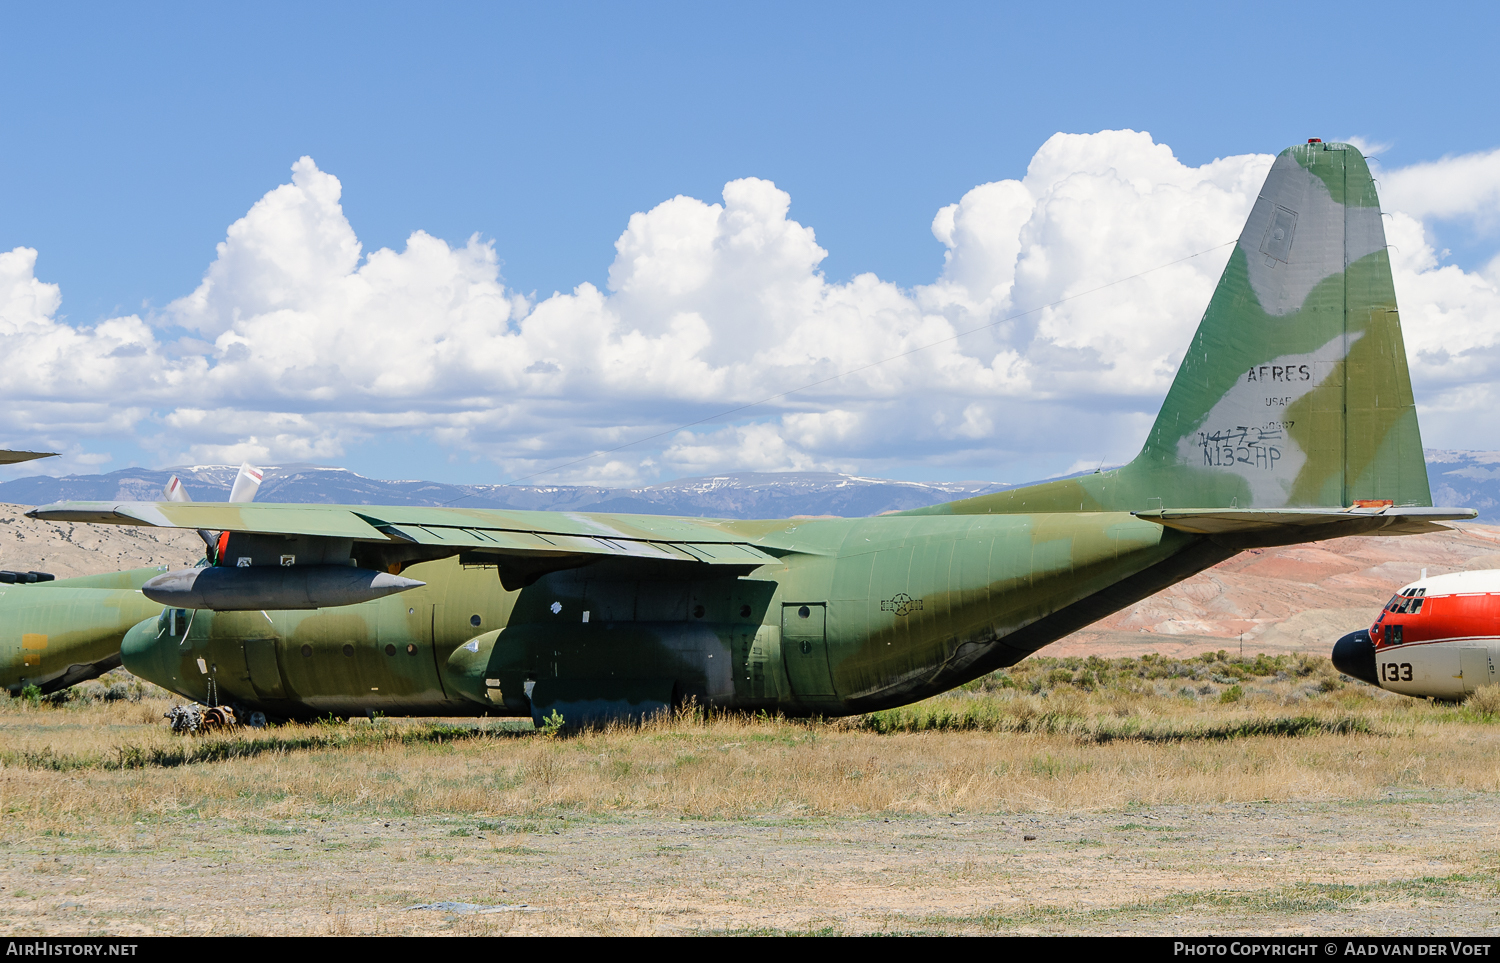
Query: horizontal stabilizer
column 1270, row 526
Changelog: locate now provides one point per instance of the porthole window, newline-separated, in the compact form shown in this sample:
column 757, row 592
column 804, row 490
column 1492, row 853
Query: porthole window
column 804, row 612
column 697, row 611
column 349, row 650
column 474, row 620
column 307, row 652
column 390, row 650
column 411, row 648
column 744, row 611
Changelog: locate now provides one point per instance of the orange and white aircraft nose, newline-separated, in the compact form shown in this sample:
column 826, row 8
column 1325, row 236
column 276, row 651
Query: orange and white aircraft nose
column 1436, row 638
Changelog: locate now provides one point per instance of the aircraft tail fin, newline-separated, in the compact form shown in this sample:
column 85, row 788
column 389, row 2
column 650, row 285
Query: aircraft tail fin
column 1294, row 392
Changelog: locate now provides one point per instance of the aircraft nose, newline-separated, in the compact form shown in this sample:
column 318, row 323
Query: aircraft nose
column 1354, row 655
column 138, row 650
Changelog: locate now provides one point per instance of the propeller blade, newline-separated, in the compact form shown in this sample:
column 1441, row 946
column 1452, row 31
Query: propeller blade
column 175, row 492
column 246, row 484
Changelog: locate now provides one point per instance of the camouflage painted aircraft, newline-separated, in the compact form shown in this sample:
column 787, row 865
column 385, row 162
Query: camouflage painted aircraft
column 1290, row 420
column 96, row 612
column 55, row 633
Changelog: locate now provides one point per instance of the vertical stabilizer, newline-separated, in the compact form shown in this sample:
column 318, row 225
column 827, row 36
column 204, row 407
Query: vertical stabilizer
column 1295, row 390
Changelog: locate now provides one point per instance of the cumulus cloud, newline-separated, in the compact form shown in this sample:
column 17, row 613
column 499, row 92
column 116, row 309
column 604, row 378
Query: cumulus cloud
column 1463, row 187
column 1450, row 316
column 299, row 344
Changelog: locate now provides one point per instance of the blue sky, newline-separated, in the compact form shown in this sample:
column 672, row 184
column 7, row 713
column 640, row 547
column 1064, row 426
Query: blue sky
column 134, row 136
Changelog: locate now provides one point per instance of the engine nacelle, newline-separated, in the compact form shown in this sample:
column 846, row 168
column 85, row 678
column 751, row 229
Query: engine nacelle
column 264, row 587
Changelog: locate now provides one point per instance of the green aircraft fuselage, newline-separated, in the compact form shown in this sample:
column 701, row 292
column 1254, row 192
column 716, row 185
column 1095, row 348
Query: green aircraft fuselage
column 56, row 634
column 1291, row 419
column 858, row 614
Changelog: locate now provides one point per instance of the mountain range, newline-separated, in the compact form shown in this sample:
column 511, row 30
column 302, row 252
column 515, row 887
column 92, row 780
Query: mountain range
column 1463, row 479
column 739, row 495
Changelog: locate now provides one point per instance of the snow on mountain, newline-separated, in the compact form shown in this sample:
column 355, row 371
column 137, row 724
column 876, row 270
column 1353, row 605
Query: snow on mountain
column 1463, row 479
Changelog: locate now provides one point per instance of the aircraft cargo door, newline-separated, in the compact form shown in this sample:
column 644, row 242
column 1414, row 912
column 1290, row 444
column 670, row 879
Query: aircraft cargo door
column 265, row 673
column 1474, row 664
column 804, row 646
column 404, row 658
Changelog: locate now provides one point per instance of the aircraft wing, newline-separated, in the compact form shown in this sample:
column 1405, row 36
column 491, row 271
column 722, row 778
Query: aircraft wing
column 9, row 457
column 523, row 544
column 1275, row 526
column 330, row 521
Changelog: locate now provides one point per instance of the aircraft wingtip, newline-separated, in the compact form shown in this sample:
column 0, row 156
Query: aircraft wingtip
column 11, row 457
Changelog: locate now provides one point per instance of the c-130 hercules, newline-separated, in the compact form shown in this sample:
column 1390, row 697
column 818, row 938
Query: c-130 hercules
column 1291, row 419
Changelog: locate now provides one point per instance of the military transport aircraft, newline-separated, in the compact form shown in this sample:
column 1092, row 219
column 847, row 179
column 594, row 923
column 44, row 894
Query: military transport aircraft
column 55, row 633
column 1291, row 419
column 1438, row 637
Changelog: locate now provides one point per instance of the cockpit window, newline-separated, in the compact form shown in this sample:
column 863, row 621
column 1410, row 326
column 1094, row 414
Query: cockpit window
column 1406, row 601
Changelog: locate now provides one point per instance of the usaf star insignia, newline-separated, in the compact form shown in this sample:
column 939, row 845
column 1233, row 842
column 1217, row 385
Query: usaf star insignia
column 902, row 604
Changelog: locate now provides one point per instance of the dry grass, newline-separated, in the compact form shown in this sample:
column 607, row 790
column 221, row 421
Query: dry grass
column 1093, row 734
column 1152, row 796
column 1485, row 701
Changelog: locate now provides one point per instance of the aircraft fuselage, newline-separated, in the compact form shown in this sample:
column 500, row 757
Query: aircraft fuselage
column 56, row 634
column 858, row 614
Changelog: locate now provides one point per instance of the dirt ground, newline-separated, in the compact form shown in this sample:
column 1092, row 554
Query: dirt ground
column 1389, row 825
column 1413, row 863
column 66, row 550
